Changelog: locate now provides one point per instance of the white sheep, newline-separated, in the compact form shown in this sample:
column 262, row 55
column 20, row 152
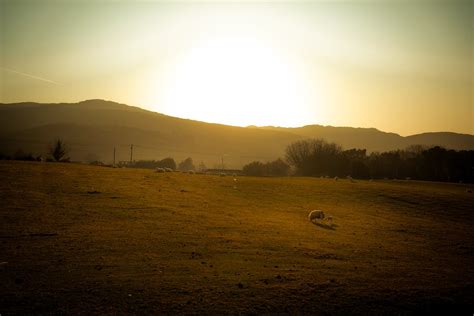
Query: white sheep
column 315, row 214
column 159, row 170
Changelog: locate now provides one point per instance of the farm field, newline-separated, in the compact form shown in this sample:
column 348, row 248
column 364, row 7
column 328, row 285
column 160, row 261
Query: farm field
column 78, row 239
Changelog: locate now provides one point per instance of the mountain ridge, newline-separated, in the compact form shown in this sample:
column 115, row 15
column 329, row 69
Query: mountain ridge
column 106, row 124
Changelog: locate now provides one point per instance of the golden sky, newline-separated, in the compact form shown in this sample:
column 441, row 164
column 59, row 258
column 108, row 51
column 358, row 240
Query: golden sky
column 399, row 66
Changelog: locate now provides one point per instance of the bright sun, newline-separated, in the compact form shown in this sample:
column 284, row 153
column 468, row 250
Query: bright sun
column 237, row 82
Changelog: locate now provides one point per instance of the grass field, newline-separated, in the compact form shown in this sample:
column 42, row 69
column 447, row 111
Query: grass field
column 79, row 239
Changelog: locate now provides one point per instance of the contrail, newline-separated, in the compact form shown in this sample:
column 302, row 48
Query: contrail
column 30, row 76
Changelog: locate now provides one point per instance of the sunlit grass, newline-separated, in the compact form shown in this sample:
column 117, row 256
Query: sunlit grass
column 178, row 242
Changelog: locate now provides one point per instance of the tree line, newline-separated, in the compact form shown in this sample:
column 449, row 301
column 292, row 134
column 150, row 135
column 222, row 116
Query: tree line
column 57, row 151
column 185, row 165
column 317, row 157
column 272, row 168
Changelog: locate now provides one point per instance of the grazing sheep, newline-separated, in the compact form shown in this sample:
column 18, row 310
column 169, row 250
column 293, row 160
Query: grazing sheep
column 159, row 170
column 315, row 214
column 336, row 178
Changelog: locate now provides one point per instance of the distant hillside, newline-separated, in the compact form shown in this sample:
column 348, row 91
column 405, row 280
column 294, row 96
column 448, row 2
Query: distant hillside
column 374, row 140
column 92, row 129
column 350, row 137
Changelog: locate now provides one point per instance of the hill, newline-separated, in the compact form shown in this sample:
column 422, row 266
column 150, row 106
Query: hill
column 94, row 127
column 375, row 140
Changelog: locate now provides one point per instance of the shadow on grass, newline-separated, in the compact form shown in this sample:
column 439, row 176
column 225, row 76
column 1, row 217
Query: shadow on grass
column 325, row 226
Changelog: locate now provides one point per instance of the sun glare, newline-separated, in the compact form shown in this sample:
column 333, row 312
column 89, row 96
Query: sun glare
column 237, row 82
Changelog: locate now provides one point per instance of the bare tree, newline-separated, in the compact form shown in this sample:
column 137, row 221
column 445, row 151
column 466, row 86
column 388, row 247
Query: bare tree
column 314, row 157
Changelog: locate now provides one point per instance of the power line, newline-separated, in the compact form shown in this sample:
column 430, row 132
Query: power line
column 150, row 148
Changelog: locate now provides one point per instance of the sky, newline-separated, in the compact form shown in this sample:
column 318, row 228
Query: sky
column 400, row 66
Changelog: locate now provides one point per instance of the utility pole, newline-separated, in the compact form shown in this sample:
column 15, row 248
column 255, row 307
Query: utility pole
column 131, row 153
column 114, row 156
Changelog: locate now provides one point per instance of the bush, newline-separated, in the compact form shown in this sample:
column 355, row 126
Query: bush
column 274, row 168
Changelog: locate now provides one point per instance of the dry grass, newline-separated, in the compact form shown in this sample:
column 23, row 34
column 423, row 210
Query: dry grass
column 83, row 239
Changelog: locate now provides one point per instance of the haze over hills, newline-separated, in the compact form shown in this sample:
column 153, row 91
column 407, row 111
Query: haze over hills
column 93, row 128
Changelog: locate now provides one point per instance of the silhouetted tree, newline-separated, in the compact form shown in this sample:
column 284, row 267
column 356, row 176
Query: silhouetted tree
column 436, row 164
column 146, row 164
column 59, row 150
column 353, row 162
column 255, row 168
column 273, row 168
column 278, row 168
column 167, row 163
column 186, row 165
column 317, row 158
column 152, row 164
